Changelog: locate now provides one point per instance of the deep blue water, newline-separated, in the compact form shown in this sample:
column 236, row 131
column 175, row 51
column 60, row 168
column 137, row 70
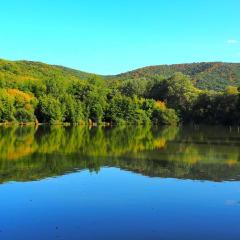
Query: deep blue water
column 119, row 200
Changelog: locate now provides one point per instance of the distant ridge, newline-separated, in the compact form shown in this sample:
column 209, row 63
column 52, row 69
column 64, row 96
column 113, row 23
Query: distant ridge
column 205, row 75
column 30, row 70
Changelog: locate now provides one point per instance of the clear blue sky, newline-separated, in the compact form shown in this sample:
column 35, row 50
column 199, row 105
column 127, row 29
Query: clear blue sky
column 111, row 36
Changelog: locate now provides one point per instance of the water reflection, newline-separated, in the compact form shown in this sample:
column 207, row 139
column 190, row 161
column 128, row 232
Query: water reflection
column 29, row 153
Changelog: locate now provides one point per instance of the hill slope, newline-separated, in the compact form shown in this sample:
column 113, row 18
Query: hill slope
column 27, row 70
column 214, row 76
column 33, row 91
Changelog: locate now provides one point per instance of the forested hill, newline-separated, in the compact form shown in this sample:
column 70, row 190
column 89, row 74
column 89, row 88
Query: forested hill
column 32, row 92
column 211, row 76
column 28, row 70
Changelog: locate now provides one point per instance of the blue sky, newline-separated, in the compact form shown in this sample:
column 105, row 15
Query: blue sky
column 111, row 36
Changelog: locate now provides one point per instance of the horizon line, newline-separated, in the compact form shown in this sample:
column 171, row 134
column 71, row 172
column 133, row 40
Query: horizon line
column 127, row 71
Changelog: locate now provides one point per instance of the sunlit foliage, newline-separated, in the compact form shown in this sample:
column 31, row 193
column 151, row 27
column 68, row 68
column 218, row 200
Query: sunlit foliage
column 163, row 95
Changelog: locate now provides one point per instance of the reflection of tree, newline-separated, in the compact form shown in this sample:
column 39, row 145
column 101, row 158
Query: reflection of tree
column 16, row 142
column 99, row 142
column 28, row 153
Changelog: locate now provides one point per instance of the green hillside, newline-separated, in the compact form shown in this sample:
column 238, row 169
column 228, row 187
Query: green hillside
column 211, row 76
column 16, row 71
column 160, row 95
column 33, row 92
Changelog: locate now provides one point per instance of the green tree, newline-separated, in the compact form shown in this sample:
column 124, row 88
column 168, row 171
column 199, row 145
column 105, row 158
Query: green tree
column 72, row 110
column 164, row 117
column 6, row 106
column 49, row 110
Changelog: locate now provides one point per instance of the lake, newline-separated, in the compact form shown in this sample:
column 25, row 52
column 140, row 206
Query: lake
column 119, row 183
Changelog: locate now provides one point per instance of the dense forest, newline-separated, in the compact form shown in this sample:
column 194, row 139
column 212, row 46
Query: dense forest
column 209, row 75
column 41, row 93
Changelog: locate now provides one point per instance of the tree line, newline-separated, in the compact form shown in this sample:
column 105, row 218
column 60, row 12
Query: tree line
column 155, row 100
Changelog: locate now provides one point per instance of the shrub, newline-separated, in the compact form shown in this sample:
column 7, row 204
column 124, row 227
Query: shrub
column 164, row 117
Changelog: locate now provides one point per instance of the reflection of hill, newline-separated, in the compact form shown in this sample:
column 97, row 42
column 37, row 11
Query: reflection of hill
column 168, row 169
column 208, row 154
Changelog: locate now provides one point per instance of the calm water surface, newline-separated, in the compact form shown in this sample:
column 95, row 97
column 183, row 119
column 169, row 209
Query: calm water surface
column 120, row 183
